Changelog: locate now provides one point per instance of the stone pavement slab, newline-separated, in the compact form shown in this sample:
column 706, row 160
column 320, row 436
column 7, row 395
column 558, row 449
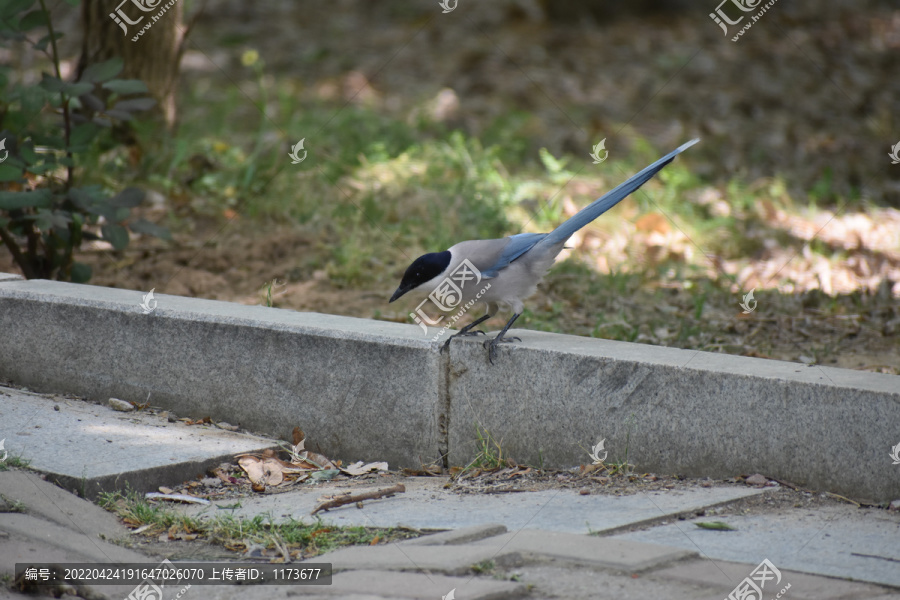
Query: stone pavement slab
column 379, row 585
column 607, row 552
column 43, row 499
column 427, row 505
column 90, row 547
column 451, row 560
column 426, row 586
column 91, row 448
column 553, row 582
column 726, row 575
column 837, row 541
column 690, row 580
column 24, row 539
column 465, row 535
column 509, row 550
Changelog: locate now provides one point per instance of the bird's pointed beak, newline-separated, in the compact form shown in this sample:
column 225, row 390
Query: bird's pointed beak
column 400, row 291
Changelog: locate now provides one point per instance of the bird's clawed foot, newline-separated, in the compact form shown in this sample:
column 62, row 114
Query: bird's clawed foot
column 463, row 333
column 491, row 345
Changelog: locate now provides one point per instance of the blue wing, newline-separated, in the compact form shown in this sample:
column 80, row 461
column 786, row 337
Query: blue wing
column 518, row 245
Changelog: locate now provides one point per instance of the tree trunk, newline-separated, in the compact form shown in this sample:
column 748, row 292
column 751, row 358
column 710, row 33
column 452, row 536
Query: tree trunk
column 110, row 28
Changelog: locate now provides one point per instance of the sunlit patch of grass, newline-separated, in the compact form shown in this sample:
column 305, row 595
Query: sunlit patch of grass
column 239, row 533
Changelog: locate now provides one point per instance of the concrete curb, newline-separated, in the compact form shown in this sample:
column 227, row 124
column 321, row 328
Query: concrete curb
column 373, row 390
column 266, row 370
column 678, row 411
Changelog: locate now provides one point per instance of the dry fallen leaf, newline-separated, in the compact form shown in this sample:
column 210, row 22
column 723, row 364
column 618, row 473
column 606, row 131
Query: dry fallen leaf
column 425, row 471
column 221, row 475
column 262, row 472
column 313, row 461
column 358, row 468
column 298, row 436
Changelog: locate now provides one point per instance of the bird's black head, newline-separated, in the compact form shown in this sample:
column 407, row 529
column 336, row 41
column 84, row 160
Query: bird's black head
column 423, row 269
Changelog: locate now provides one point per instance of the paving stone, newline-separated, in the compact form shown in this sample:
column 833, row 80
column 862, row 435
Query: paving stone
column 726, row 575
column 835, row 541
column 105, row 449
column 28, row 539
column 452, row 560
column 421, row 585
column 535, row 544
column 458, row 536
column 88, row 545
column 281, row 592
column 43, row 499
column 578, row 583
column 378, row 585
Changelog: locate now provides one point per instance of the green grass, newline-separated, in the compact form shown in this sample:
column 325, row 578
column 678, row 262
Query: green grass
column 485, row 567
column 240, row 532
column 489, row 453
column 14, row 461
column 15, row 506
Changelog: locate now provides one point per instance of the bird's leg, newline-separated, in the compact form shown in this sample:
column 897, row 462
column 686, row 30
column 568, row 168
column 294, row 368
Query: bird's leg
column 491, row 345
column 467, row 330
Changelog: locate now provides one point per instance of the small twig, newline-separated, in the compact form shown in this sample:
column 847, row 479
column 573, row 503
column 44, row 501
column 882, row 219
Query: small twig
column 797, row 488
column 793, row 486
column 352, row 498
column 281, row 548
column 839, row 497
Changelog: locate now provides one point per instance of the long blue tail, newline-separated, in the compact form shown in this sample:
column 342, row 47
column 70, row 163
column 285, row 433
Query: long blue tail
column 611, row 198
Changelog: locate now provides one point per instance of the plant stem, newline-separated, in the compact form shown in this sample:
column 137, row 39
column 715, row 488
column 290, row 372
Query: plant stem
column 62, row 96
